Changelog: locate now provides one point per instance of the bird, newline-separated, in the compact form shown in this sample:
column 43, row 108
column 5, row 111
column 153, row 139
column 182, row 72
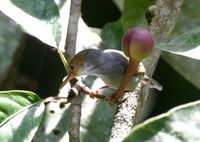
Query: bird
column 110, row 65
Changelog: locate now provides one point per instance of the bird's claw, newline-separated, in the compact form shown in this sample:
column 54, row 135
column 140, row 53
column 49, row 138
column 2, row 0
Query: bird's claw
column 113, row 100
column 93, row 94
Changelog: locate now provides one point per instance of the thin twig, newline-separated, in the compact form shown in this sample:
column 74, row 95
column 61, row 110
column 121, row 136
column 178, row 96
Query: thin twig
column 70, row 42
column 129, row 112
column 70, row 49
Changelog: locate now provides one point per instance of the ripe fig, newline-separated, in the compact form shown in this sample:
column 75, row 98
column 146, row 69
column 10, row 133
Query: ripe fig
column 137, row 43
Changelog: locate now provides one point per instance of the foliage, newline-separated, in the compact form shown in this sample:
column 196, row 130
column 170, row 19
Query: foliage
column 174, row 126
column 47, row 21
column 13, row 101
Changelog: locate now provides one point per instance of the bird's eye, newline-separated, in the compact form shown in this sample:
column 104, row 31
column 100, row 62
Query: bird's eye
column 72, row 67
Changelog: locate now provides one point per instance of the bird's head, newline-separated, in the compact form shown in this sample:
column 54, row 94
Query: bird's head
column 77, row 67
column 82, row 64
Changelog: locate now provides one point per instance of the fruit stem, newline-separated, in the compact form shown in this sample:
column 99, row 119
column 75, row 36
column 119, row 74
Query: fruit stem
column 131, row 70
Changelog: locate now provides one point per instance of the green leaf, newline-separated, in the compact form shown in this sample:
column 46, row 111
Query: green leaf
column 22, row 126
column 188, row 18
column 180, row 124
column 97, row 117
column 55, row 123
column 134, row 13
column 64, row 10
column 187, row 67
column 111, row 35
column 46, row 120
column 10, row 35
column 13, row 101
column 96, row 121
column 187, row 44
column 38, row 18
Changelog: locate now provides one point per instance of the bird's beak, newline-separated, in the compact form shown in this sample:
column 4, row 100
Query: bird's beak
column 69, row 77
column 66, row 80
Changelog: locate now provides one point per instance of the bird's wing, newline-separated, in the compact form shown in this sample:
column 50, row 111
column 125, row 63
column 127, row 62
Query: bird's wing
column 122, row 60
column 151, row 83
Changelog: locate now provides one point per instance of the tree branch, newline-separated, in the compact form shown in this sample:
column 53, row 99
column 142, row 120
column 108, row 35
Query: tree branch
column 129, row 112
column 70, row 49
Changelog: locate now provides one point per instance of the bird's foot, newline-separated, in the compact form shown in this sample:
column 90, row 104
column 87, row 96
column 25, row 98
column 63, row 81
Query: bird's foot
column 94, row 94
column 112, row 99
column 88, row 91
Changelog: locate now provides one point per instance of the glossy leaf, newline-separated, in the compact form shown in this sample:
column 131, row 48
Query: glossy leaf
column 111, row 35
column 42, row 121
column 188, row 18
column 64, row 10
column 84, row 34
column 22, row 126
column 187, row 44
column 97, row 117
column 55, row 122
column 13, row 101
column 180, row 124
column 38, row 18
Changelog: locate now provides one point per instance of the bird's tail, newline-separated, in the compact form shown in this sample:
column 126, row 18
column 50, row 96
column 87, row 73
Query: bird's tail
column 151, row 83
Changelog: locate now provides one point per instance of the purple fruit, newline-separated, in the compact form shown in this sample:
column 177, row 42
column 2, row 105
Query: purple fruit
column 137, row 43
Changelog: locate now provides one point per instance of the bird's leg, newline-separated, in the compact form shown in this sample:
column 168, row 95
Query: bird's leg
column 132, row 68
column 88, row 91
column 93, row 94
column 103, row 87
